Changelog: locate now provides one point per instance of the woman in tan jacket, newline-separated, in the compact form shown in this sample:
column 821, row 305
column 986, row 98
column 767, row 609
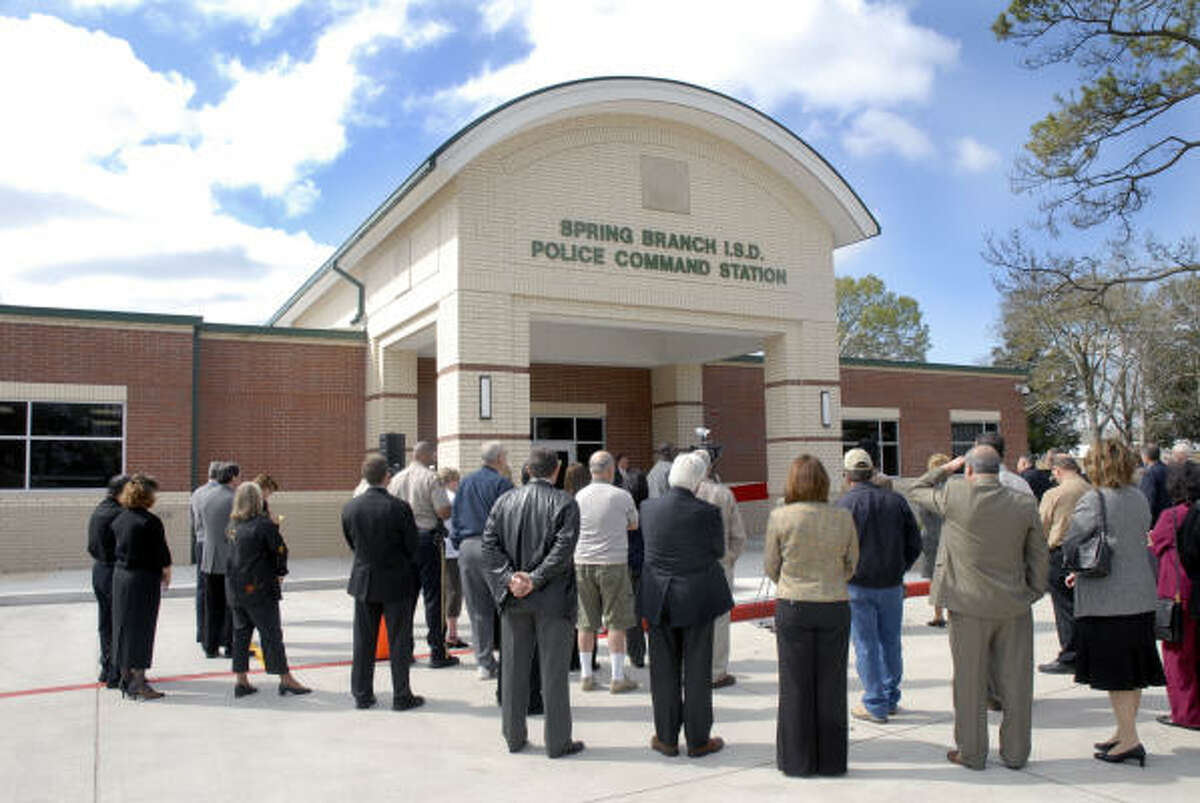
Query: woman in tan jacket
column 811, row 551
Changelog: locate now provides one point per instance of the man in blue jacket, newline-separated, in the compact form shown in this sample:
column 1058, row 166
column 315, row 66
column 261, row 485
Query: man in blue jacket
column 889, row 541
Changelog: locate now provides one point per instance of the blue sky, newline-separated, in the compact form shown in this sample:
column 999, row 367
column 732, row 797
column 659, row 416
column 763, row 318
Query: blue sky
column 204, row 156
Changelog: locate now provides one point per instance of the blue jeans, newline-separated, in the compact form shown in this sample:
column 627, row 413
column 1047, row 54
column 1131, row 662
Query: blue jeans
column 875, row 616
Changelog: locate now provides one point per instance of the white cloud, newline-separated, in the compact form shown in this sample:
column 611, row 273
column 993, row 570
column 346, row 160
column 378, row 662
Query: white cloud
column 260, row 13
column 837, row 55
column 876, row 131
column 123, row 167
column 972, row 156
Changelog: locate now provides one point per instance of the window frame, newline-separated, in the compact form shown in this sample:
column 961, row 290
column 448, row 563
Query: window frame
column 28, row 438
column 879, row 441
column 984, row 426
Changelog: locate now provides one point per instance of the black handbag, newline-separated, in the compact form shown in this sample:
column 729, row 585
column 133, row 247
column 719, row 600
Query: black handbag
column 1168, row 611
column 1090, row 555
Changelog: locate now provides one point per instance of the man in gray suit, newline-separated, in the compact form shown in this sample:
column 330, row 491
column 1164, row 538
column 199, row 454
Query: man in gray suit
column 196, row 523
column 214, row 510
column 991, row 567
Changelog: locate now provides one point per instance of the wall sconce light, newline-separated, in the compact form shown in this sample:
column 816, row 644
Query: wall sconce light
column 826, row 411
column 485, row 396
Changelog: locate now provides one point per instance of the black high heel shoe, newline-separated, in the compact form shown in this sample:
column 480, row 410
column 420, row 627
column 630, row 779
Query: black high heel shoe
column 1137, row 753
column 285, row 690
column 243, row 690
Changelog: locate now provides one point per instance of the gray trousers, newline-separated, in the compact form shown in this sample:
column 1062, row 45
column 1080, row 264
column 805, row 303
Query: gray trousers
column 720, row 664
column 481, row 607
column 1001, row 649
column 521, row 628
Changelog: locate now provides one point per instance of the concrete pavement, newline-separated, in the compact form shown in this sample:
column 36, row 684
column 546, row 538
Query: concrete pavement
column 198, row 743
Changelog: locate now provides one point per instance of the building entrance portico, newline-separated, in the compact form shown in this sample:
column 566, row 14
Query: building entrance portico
column 599, row 243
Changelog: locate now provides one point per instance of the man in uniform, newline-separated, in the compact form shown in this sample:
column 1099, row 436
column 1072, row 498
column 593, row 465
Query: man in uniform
column 419, row 486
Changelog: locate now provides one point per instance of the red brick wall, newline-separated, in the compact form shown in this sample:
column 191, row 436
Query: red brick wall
column 154, row 365
column 925, row 399
column 734, row 411
column 293, row 409
column 625, row 391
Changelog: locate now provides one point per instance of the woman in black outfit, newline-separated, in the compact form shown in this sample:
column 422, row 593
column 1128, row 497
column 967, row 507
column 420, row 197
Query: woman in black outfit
column 143, row 569
column 257, row 564
column 635, row 637
column 102, row 546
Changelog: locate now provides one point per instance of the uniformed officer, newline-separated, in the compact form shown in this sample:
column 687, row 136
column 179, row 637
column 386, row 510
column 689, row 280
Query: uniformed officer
column 419, row 485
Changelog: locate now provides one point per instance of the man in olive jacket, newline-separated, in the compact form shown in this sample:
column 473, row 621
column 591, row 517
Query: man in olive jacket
column 991, row 567
column 383, row 581
column 528, row 552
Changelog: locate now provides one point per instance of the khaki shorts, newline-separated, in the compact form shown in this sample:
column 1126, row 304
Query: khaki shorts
column 605, row 588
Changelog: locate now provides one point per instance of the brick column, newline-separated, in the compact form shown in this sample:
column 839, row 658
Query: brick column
column 482, row 334
column 800, row 363
column 391, row 393
column 677, row 399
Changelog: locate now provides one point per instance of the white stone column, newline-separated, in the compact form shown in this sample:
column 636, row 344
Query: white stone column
column 391, row 394
column 800, row 363
column 478, row 335
column 677, row 400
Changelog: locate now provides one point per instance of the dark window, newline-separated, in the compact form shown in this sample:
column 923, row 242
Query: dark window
column 12, row 418
column 554, row 429
column 964, row 433
column 68, row 445
column 589, row 429
column 12, row 464
column 73, row 464
column 82, row 420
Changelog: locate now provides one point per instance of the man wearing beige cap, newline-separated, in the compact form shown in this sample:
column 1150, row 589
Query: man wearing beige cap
column 889, row 541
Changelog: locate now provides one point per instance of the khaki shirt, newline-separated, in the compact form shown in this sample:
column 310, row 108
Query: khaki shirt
column 421, row 488
column 731, row 519
column 811, row 551
column 1058, row 504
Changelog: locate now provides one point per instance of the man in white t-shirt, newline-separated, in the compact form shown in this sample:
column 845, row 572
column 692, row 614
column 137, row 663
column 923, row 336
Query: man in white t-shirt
column 606, row 515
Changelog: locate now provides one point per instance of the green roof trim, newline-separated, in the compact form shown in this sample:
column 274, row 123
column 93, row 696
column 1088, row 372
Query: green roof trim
column 858, row 362
column 100, row 315
column 356, row 335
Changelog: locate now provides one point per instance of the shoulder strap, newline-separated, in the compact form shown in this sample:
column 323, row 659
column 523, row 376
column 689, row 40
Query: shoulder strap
column 1103, row 513
column 1176, row 552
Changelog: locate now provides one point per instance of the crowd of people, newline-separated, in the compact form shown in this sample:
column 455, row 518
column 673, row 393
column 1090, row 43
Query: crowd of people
column 543, row 570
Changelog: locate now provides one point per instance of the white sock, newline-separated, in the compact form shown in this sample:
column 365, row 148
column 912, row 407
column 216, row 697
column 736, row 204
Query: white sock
column 618, row 665
column 585, row 663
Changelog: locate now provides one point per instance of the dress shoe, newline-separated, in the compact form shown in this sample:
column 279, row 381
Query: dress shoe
column 713, row 745
column 366, row 702
column 623, row 685
column 1057, row 668
column 143, row 692
column 936, row 623
column 409, row 702
column 212, row 654
column 241, row 690
column 639, row 662
column 285, row 690
column 443, row 661
column 860, row 712
column 113, row 682
column 1136, row 753
column 456, row 643
column 517, row 748
column 572, row 749
column 668, row 750
column 1162, row 719
column 954, row 757
column 723, row 681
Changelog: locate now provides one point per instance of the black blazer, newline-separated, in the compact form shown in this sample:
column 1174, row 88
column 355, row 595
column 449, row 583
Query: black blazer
column 256, row 561
column 682, row 580
column 383, row 534
column 141, row 541
column 102, row 542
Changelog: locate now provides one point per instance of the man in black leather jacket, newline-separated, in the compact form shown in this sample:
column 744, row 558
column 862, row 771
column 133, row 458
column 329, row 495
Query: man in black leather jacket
column 528, row 549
